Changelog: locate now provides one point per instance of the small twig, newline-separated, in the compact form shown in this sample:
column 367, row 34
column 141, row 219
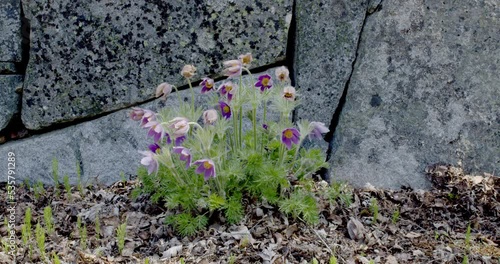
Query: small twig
column 322, row 240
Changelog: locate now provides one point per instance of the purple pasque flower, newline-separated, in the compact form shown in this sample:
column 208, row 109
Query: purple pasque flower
column 180, row 126
column 163, row 90
column 179, row 140
column 210, row 117
column 232, row 68
column 225, row 110
column 155, row 148
column 136, row 114
column 317, row 129
column 185, row 155
column 245, row 59
column 156, row 130
column 264, row 82
column 207, row 85
column 290, row 135
column 227, row 89
column 147, row 117
column 289, row 93
column 150, row 161
column 265, row 126
column 206, row 167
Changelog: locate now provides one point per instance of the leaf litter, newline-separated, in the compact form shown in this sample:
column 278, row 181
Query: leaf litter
column 412, row 226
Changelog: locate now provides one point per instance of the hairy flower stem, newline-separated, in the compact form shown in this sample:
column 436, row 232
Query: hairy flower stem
column 241, row 114
column 178, row 94
column 297, row 151
column 192, row 94
column 255, row 127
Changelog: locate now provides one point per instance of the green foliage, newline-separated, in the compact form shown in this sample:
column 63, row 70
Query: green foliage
column 465, row 260
column 395, row 216
column 49, row 222
column 374, row 208
column 38, row 189
column 314, row 261
column 40, row 239
column 79, row 179
column 339, row 192
column 83, row 237
column 333, row 260
column 146, row 261
column 97, row 227
column 55, row 258
column 121, row 232
column 301, row 204
column 67, row 186
column 55, row 175
column 254, row 163
column 186, row 224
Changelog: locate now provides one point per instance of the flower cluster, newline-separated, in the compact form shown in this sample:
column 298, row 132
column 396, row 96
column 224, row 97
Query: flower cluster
column 212, row 142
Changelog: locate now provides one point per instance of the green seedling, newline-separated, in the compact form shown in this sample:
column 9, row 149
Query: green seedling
column 465, row 260
column 5, row 246
column 39, row 189
column 49, row 222
column 79, row 179
column 395, row 216
column 146, row 261
column 97, row 227
column 55, row 258
column 314, row 261
column 232, row 259
column 67, row 186
column 40, row 239
column 374, row 208
column 27, row 220
column 333, row 260
column 83, row 237
column 122, row 176
column 55, row 175
column 121, row 232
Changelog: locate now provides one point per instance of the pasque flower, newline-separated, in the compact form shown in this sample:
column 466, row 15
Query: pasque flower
column 185, row 155
column 188, row 71
column 179, row 140
column 207, row 85
column 245, row 59
column 150, row 161
column 282, row 73
column 180, row 126
column 317, row 129
column 233, row 68
column 156, row 130
column 210, row 117
column 205, row 167
column 290, row 135
column 227, row 89
column 225, row 110
column 136, row 114
column 289, row 93
column 163, row 90
column 155, row 148
column 264, row 82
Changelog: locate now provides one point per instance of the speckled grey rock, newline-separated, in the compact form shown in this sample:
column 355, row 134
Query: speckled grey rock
column 104, row 147
column 326, row 40
column 424, row 90
column 91, row 57
column 7, row 67
column 10, row 30
column 9, row 98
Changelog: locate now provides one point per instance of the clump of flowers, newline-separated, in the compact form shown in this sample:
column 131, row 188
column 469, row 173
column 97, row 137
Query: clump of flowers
column 203, row 160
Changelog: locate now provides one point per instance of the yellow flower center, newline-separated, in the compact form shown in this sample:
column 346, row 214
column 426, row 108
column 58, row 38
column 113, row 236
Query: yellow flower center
column 288, row 95
column 225, row 109
column 229, row 88
column 265, row 81
column 207, row 165
column 246, row 59
column 281, row 76
column 288, row 134
column 209, row 85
